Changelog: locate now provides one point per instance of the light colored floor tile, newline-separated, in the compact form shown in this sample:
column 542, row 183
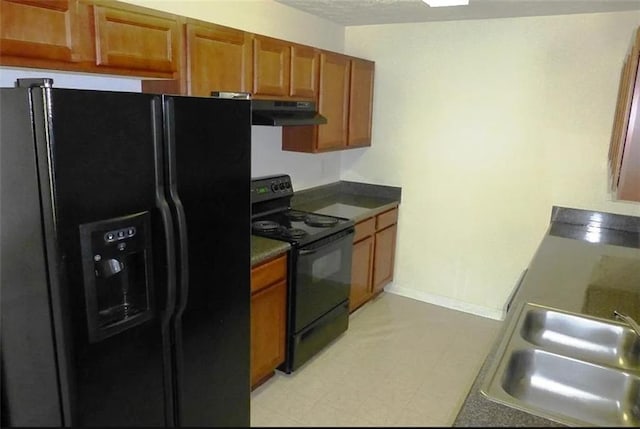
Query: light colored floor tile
column 401, row 363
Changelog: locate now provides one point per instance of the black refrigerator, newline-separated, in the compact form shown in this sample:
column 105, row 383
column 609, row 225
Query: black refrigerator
column 125, row 258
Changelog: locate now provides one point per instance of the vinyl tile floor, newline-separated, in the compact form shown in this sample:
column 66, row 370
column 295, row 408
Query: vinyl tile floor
column 402, row 362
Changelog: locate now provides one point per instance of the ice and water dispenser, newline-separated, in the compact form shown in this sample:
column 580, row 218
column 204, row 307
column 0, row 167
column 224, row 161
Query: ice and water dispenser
column 116, row 262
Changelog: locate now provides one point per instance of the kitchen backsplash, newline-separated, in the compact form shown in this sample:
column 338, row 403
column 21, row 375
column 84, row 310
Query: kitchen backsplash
column 306, row 170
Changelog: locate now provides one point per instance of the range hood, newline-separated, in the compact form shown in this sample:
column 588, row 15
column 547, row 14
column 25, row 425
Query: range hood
column 282, row 113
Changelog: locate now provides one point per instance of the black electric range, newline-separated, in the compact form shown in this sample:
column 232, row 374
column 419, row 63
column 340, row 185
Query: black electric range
column 272, row 216
column 319, row 264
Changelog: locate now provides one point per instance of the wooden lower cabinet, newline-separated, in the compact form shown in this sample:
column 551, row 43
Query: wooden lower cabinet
column 374, row 247
column 268, row 318
column 361, row 272
column 385, row 251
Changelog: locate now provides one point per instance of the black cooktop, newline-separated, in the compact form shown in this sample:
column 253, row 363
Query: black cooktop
column 296, row 226
column 273, row 217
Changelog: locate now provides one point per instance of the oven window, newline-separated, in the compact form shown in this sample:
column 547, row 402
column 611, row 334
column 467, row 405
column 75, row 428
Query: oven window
column 326, row 266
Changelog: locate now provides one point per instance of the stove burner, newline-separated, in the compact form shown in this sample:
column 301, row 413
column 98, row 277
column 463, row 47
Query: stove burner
column 320, row 221
column 295, row 232
column 265, row 226
column 296, row 215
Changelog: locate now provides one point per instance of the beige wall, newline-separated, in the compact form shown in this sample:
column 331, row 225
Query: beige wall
column 485, row 125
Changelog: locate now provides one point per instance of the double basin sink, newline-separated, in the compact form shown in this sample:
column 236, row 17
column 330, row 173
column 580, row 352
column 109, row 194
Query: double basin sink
column 573, row 369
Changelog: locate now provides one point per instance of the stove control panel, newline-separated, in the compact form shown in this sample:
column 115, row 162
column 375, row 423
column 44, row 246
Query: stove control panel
column 271, row 187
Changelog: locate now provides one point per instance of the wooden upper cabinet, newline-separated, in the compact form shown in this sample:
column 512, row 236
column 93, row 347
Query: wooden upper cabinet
column 41, row 30
column 305, row 63
column 345, row 98
column 628, row 187
column 333, row 102
column 89, row 36
column 271, row 66
column 624, row 150
column 360, row 103
column 284, row 70
column 133, row 38
column 218, row 59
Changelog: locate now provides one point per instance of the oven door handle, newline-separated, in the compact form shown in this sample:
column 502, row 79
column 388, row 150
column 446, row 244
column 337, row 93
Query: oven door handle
column 307, row 252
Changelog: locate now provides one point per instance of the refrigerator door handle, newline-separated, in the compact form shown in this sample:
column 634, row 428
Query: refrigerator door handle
column 167, row 223
column 183, row 250
column 165, row 213
column 179, row 213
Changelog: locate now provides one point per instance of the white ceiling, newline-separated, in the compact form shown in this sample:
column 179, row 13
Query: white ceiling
column 365, row 12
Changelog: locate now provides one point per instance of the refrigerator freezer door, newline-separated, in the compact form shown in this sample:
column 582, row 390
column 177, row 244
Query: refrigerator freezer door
column 208, row 148
column 98, row 159
column 30, row 395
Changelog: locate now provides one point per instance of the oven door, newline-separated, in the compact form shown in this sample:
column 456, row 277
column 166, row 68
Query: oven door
column 322, row 277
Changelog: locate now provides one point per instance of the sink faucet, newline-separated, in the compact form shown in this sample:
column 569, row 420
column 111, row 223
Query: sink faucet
column 634, row 325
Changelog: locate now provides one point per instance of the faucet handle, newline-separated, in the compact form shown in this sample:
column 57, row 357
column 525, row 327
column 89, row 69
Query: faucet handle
column 628, row 320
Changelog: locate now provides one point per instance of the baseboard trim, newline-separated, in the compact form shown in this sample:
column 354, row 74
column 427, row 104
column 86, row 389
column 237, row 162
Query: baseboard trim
column 443, row 301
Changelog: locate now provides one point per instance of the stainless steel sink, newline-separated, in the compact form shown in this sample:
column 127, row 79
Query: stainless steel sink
column 574, row 369
column 573, row 388
column 582, row 338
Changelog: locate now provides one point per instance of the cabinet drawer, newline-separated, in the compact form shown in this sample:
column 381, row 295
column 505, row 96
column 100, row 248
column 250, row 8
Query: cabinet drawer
column 268, row 273
column 364, row 229
column 386, row 219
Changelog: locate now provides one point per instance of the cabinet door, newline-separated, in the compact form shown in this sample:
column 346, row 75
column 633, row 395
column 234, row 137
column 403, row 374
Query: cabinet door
column 334, row 100
column 360, row 103
column 624, row 150
column 384, row 256
column 129, row 39
column 304, row 72
column 268, row 324
column 361, row 271
column 38, row 29
column 271, row 66
column 623, row 114
column 218, row 59
column 629, row 170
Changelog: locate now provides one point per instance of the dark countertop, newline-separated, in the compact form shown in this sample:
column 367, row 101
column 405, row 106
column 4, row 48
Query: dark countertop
column 589, row 263
column 264, row 248
column 351, row 200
